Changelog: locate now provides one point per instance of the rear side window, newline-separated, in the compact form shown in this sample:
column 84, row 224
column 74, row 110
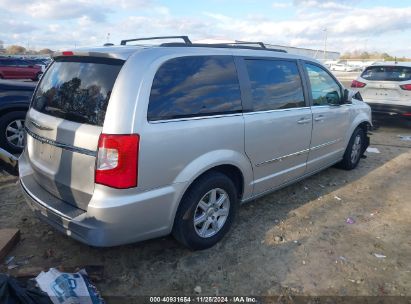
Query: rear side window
column 77, row 88
column 195, row 86
column 275, row 84
column 387, row 73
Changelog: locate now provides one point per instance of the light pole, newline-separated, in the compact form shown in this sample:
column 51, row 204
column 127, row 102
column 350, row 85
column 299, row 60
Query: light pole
column 325, row 44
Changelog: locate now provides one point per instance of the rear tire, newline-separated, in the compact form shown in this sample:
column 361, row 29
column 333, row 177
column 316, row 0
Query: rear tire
column 354, row 150
column 200, row 221
column 12, row 131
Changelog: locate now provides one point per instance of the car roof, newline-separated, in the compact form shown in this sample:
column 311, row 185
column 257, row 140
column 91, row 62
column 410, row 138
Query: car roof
column 392, row 63
column 125, row 51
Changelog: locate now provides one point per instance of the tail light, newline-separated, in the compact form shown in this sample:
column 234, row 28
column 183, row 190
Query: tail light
column 406, row 87
column 357, row 84
column 67, row 53
column 117, row 160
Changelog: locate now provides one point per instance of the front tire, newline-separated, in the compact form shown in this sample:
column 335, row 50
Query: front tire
column 354, row 151
column 206, row 211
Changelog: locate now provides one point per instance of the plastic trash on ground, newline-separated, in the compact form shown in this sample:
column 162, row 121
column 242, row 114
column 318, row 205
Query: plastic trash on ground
column 68, row 288
column 372, row 150
column 380, row 256
column 350, row 220
column 14, row 291
column 405, row 137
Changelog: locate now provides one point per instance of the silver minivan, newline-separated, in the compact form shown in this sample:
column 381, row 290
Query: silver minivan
column 127, row 143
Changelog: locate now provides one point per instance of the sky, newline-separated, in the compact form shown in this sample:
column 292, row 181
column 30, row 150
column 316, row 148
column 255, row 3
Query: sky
column 364, row 25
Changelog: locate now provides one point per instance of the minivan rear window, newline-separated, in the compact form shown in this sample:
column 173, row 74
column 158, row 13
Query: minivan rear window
column 195, row 86
column 387, row 73
column 77, row 88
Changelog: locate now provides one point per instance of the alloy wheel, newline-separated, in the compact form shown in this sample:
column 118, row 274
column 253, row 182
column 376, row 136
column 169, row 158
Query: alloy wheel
column 211, row 213
column 15, row 133
column 356, row 149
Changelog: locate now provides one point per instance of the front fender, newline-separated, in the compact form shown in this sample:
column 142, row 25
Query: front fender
column 360, row 115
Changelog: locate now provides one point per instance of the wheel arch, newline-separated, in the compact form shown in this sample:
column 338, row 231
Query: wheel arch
column 365, row 125
column 361, row 120
column 238, row 168
column 13, row 108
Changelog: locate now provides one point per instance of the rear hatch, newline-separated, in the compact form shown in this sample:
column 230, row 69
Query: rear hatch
column 64, row 124
column 383, row 84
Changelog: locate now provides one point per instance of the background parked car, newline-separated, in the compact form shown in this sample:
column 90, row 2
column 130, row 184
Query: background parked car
column 14, row 102
column 386, row 87
column 11, row 68
column 342, row 67
column 43, row 63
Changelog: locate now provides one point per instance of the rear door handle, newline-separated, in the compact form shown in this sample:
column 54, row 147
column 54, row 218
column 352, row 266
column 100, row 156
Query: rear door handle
column 319, row 118
column 303, row 120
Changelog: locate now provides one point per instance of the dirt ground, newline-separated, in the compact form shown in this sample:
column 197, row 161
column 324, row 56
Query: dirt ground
column 294, row 241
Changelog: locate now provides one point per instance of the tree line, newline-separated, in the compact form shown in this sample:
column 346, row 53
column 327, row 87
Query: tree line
column 20, row 50
column 372, row 55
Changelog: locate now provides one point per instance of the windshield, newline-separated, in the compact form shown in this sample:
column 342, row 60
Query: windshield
column 387, row 73
column 77, row 88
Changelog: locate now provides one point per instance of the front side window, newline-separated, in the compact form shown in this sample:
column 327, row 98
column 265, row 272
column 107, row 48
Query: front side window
column 324, row 89
column 275, row 84
column 194, row 86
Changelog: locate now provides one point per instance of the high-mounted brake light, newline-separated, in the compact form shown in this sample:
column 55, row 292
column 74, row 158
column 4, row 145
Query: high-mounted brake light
column 357, row 84
column 67, row 53
column 406, row 87
column 117, row 160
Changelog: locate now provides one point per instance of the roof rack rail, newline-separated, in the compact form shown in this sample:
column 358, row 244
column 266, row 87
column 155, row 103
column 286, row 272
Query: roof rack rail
column 263, row 45
column 251, row 45
column 239, row 42
column 186, row 40
column 223, row 46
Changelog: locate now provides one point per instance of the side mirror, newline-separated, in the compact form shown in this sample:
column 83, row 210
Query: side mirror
column 333, row 98
column 347, row 96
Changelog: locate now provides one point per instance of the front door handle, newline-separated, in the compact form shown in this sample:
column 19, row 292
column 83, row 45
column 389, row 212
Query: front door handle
column 303, row 120
column 319, row 118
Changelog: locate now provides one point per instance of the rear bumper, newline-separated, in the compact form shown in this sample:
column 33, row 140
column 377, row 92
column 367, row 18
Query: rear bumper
column 390, row 109
column 110, row 220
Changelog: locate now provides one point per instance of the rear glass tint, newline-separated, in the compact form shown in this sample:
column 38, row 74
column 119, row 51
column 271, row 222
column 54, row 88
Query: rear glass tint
column 387, row 73
column 77, row 88
column 195, row 86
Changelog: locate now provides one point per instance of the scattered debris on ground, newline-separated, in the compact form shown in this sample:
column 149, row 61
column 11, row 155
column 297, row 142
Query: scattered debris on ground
column 373, row 150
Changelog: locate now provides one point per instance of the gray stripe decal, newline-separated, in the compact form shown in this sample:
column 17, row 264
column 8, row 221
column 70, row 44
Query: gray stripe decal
column 60, row 145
